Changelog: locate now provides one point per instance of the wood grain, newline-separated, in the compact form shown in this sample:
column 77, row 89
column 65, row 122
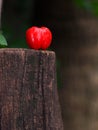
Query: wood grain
column 28, row 90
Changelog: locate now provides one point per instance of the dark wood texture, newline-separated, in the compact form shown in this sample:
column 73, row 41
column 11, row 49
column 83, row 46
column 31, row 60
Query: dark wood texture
column 28, row 90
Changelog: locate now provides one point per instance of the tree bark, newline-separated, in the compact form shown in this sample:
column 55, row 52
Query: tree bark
column 28, row 90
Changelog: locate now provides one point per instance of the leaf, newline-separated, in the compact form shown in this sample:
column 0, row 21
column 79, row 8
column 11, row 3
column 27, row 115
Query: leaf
column 3, row 42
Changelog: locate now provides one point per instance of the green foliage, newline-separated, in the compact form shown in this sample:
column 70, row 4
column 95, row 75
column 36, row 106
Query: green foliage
column 90, row 5
column 80, row 3
column 3, row 42
column 94, row 5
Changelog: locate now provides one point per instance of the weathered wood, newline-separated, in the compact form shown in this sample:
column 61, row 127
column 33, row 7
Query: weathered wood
column 28, row 90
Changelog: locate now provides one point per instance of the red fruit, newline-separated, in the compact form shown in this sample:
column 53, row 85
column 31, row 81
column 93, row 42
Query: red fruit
column 38, row 38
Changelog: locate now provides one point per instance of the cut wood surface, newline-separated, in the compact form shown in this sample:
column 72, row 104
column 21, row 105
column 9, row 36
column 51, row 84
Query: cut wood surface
column 28, row 90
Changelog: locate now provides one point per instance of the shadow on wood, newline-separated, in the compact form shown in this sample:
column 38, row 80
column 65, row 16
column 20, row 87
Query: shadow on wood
column 28, row 90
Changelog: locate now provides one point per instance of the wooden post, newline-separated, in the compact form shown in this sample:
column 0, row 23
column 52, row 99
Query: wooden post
column 28, row 90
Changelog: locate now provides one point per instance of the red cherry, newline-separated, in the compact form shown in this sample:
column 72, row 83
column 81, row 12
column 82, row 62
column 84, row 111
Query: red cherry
column 38, row 38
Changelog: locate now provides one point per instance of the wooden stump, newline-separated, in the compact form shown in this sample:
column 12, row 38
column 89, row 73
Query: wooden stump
column 28, row 90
